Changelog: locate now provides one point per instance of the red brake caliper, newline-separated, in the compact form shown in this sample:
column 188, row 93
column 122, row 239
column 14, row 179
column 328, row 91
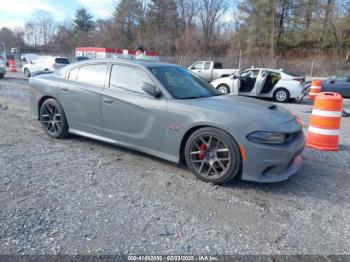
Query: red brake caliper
column 203, row 147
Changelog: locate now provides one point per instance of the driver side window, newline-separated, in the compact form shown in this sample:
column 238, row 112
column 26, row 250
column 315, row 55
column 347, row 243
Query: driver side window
column 198, row 65
column 129, row 78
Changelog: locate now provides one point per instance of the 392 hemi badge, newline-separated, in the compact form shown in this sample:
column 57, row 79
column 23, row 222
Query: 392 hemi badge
column 174, row 127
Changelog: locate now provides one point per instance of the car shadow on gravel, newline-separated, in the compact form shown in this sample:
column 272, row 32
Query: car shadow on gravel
column 308, row 182
column 118, row 149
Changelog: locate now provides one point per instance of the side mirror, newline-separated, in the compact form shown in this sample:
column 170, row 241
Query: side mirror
column 31, row 62
column 151, row 89
column 332, row 81
column 234, row 77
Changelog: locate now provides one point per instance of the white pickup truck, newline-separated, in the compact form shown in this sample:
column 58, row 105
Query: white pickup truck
column 210, row 70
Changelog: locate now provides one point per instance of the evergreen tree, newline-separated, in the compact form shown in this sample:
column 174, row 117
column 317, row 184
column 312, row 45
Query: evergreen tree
column 83, row 22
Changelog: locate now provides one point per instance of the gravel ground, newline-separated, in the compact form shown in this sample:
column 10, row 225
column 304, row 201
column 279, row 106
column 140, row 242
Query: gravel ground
column 78, row 196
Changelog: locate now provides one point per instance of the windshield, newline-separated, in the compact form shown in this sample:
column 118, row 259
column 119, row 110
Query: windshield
column 181, row 83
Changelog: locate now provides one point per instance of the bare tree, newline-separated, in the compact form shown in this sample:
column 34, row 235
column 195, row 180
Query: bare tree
column 187, row 10
column 46, row 25
column 210, row 11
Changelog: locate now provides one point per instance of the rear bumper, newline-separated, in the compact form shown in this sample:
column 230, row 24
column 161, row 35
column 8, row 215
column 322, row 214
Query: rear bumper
column 267, row 163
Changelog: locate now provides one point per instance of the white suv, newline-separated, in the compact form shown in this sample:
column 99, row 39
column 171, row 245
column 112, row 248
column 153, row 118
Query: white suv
column 44, row 64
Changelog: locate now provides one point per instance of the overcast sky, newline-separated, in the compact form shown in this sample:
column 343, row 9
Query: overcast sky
column 14, row 13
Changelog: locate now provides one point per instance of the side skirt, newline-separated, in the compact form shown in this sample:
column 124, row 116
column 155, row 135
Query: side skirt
column 162, row 155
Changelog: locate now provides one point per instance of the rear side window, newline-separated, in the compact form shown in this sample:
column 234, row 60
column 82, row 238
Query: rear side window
column 92, row 74
column 129, row 78
column 73, row 74
column 63, row 61
column 217, row 65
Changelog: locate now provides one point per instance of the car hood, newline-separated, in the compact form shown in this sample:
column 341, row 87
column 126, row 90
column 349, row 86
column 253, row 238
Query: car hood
column 249, row 108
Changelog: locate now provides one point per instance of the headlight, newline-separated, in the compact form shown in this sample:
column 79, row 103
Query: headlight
column 2, row 65
column 267, row 138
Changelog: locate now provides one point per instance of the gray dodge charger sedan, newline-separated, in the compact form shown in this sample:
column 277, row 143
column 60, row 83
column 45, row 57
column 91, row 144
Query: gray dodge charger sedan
column 166, row 111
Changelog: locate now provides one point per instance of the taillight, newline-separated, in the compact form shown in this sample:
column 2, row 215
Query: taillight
column 299, row 79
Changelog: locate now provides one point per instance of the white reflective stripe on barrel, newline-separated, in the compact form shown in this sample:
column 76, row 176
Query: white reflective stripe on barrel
column 326, row 113
column 321, row 131
column 315, row 87
column 313, row 94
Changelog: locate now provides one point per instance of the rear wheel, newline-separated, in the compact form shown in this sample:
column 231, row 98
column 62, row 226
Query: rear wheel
column 223, row 89
column 2, row 76
column 26, row 72
column 53, row 119
column 281, row 95
column 212, row 155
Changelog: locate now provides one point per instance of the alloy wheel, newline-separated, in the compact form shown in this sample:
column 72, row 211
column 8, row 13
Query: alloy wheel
column 223, row 89
column 210, row 156
column 281, row 95
column 51, row 119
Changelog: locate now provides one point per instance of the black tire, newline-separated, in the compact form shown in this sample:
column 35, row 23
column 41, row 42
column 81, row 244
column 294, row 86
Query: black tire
column 2, row 76
column 26, row 72
column 223, row 89
column 281, row 95
column 209, row 161
column 53, row 119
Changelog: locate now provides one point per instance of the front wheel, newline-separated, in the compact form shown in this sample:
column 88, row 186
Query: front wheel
column 26, row 72
column 212, row 155
column 53, row 119
column 223, row 89
column 2, row 76
column 281, row 95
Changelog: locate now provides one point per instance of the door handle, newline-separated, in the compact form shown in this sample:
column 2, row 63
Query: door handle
column 108, row 101
column 199, row 71
column 64, row 89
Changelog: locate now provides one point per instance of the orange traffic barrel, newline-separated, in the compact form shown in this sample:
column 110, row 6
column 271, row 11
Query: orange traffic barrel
column 315, row 89
column 12, row 64
column 324, row 126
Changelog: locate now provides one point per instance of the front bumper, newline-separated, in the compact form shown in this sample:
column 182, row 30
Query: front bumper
column 272, row 163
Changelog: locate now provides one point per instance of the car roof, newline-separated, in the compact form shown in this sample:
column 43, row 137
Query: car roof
column 264, row 68
column 144, row 63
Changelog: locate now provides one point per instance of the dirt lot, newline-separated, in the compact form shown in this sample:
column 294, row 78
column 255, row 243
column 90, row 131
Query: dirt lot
column 78, row 196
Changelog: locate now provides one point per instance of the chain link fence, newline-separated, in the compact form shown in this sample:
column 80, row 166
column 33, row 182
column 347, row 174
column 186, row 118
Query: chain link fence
column 311, row 67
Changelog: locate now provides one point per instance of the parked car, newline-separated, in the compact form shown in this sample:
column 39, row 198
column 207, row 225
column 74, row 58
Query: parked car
column 28, row 57
column 262, row 82
column 172, row 114
column 2, row 69
column 3, row 55
column 44, row 64
column 209, row 70
column 338, row 84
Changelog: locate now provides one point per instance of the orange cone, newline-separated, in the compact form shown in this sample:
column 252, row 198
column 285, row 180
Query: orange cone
column 315, row 89
column 12, row 64
column 324, row 123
